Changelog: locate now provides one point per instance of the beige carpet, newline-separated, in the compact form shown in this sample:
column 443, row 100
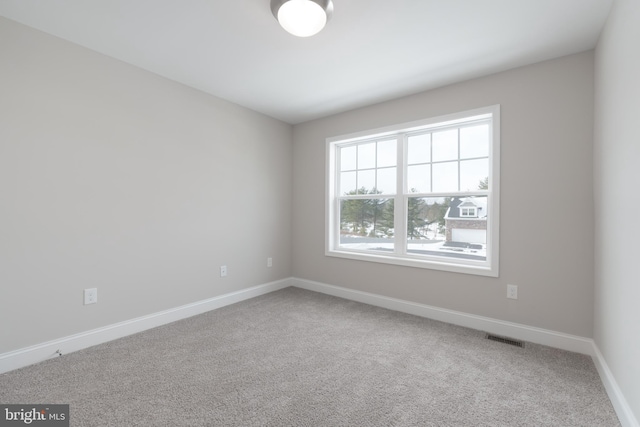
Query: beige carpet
column 299, row 358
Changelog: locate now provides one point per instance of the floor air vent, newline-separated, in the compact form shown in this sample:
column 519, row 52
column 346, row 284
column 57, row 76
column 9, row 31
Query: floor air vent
column 504, row 340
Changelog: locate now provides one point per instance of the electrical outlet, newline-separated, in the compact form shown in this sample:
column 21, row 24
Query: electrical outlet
column 223, row 271
column 512, row 291
column 269, row 262
column 90, row 296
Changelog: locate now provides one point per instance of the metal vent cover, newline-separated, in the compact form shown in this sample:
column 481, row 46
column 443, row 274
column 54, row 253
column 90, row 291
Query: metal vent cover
column 505, row 340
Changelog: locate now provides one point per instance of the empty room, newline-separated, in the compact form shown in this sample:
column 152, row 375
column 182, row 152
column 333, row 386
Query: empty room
column 319, row 213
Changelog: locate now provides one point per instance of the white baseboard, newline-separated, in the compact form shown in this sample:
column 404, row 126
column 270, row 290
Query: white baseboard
column 620, row 404
column 499, row 327
column 37, row 353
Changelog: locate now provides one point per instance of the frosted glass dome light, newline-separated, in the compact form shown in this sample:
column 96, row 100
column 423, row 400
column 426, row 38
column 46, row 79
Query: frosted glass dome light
column 302, row 18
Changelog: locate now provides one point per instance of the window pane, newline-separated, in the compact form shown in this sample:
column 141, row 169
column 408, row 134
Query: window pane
column 387, row 153
column 436, row 227
column 419, row 178
column 425, row 224
column 348, row 158
column 473, row 174
column 474, row 141
column 366, row 181
column 445, row 145
column 466, row 237
column 347, row 183
column 386, row 181
column 367, row 224
column 445, row 177
column 419, row 149
column 367, row 156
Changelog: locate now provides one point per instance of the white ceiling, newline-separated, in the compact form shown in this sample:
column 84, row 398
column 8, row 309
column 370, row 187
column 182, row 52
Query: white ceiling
column 370, row 51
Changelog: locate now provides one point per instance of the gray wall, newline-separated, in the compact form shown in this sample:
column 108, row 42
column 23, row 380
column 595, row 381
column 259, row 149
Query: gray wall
column 546, row 237
column 617, row 176
column 115, row 178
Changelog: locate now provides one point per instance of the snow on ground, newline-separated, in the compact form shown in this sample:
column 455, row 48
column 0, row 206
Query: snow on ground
column 416, row 246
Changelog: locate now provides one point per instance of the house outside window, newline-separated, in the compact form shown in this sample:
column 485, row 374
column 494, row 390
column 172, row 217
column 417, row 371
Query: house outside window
column 422, row 194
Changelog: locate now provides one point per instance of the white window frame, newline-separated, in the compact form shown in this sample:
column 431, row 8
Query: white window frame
column 490, row 267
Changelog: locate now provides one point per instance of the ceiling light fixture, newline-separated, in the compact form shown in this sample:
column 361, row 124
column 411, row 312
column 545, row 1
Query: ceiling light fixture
column 302, row 18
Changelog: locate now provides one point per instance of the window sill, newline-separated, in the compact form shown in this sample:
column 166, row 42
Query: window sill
column 408, row 261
